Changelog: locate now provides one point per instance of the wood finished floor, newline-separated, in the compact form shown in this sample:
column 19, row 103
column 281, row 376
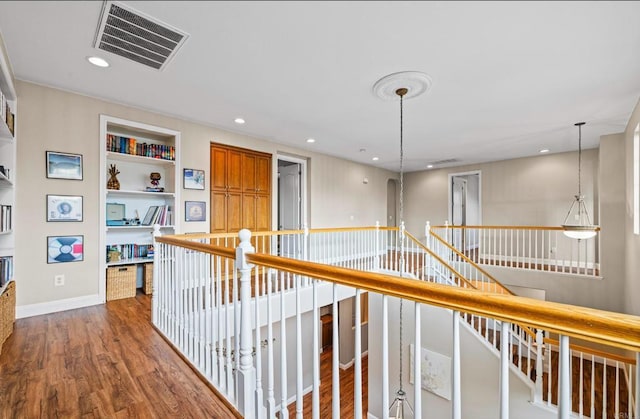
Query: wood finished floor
column 104, row 361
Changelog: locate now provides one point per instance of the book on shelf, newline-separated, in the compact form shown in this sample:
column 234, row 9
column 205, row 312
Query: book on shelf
column 6, row 269
column 129, row 145
column 5, row 218
column 158, row 214
column 128, row 251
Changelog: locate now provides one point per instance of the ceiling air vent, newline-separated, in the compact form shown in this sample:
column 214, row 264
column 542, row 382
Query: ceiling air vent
column 446, row 161
column 130, row 34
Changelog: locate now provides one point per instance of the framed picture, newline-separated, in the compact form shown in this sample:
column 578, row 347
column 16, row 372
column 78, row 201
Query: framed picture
column 195, row 211
column 64, row 165
column 193, row 179
column 62, row 249
column 64, row 208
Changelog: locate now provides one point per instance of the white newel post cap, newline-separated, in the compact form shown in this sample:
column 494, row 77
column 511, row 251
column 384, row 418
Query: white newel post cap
column 243, row 248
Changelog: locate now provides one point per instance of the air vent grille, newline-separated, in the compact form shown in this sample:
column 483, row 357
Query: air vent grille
column 445, row 161
column 143, row 39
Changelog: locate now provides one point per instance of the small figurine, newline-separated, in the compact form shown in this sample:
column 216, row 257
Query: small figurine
column 155, row 179
column 113, row 182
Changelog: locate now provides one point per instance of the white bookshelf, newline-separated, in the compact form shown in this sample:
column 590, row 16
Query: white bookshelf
column 134, row 178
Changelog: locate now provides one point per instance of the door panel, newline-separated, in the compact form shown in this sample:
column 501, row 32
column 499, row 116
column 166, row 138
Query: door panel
column 248, row 173
column 263, row 174
column 218, row 168
column 234, row 172
column 218, row 212
column 234, row 212
column 289, row 197
column 249, row 211
column 263, row 211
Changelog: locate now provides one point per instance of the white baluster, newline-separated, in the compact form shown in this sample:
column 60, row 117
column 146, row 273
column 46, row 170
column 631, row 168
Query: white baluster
column 299, row 371
column 357, row 369
column 376, row 263
column 284, row 411
column 385, row 357
column 258, row 343
column 616, row 412
column 456, row 384
column 315, row 403
column 417, row 375
column 539, row 366
column 504, row 370
column 335, row 367
column 564, row 379
column 271, row 401
column 637, row 413
column 246, row 372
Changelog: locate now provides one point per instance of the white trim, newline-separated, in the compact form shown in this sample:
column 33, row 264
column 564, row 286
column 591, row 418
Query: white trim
column 636, row 180
column 449, row 197
column 371, row 416
column 302, row 161
column 353, row 360
column 58, row 305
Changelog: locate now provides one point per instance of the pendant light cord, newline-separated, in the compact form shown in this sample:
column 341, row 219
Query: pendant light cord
column 579, row 159
column 401, row 225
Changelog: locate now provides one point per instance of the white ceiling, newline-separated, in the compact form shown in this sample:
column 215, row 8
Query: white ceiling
column 509, row 78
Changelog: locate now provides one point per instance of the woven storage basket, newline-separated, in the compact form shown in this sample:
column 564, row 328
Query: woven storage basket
column 147, row 282
column 121, row 282
column 8, row 311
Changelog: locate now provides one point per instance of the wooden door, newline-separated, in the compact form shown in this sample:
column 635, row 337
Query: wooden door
column 263, row 212
column 234, row 211
column 218, row 211
column 249, row 211
column 234, row 172
column 263, row 174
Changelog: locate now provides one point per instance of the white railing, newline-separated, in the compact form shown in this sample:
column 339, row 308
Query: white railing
column 524, row 247
column 204, row 306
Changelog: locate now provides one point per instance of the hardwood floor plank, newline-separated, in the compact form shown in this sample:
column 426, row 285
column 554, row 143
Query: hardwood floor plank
column 105, row 361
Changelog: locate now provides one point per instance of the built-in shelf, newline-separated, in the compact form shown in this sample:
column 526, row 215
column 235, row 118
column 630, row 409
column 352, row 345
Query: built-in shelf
column 132, row 261
column 5, row 182
column 116, row 192
column 136, row 227
column 138, row 159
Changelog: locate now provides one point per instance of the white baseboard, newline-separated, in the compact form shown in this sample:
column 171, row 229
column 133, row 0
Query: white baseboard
column 370, row 416
column 56, row 306
column 350, row 363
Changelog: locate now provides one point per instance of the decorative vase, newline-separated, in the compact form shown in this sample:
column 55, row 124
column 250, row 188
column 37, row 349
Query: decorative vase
column 113, row 182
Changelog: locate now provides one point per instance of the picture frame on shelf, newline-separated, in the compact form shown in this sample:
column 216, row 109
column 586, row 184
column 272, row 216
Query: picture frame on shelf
column 64, row 249
column 193, row 179
column 64, row 165
column 64, row 208
column 195, row 211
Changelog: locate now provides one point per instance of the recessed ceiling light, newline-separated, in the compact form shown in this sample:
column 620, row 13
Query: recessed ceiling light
column 375, row 159
column 311, row 140
column 239, row 121
column 97, row 61
column 544, row 150
column 429, row 166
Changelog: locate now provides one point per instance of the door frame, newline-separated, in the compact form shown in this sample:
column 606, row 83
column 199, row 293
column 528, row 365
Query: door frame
column 450, row 193
column 303, row 189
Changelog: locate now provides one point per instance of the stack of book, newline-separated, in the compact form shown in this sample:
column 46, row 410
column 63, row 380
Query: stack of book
column 131, row 251
column 158, row 214
column 129, row 145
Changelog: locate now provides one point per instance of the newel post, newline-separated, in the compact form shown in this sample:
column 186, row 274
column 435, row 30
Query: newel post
column 246, row 372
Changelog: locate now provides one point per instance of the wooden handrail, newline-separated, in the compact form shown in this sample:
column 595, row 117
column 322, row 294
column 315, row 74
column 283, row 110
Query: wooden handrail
column 439, row 259
column 595, row 352
column 469, row 261
column 615, row 329
column 179, row 240
column 486, row 227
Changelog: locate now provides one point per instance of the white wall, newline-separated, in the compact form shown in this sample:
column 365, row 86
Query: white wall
column 479, row 366
column 631, row 240
column 56, row 120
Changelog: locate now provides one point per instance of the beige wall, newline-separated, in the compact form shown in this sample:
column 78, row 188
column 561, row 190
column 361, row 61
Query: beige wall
column 632, row 241
column 56, row 120
column 527, row 191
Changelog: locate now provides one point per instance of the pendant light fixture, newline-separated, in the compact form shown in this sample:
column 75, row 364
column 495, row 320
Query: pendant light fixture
column 577, row 224
column 402, row 85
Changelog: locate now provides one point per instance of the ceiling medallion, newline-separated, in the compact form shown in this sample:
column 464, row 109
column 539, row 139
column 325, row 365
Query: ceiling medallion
column 416, row 83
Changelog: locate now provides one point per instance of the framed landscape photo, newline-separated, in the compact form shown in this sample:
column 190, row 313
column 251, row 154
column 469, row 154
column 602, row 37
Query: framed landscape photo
column 195, row 211
column 64, row 208
column 193, row 179
column 64, row 165
column 62, row 249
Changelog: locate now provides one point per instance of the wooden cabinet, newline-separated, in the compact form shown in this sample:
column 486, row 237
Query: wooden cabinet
column 240, row 189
